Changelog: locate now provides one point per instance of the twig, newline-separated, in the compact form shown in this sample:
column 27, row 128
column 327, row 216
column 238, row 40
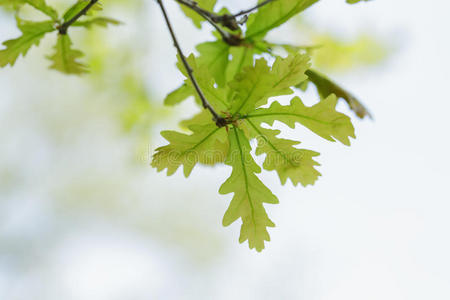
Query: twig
column 63, row 28
column 214, row 19
column 220, row 122
column 226, row 20
column 244, row 12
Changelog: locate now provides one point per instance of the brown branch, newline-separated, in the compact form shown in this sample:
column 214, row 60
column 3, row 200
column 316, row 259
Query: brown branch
column 63, row 28
column 214, row 19
column 220, row 122
column 226, row 20
column 247, row 11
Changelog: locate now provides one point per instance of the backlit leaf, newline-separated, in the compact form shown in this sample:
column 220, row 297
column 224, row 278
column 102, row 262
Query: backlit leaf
column 249, row 193
column 207, row 145
column 282, row 157
column 65, row 59
column 326, row 87
column 32, row 33
column 273, row 15
column 321, row 118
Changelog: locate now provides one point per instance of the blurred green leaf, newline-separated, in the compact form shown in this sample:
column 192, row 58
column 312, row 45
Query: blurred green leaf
column 32, row 33
column 326, row 87
column 65, row 58
column 99, row 21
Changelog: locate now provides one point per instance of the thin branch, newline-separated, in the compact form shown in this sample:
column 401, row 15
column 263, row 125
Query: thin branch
column 215, row 19
column 247, row 11
column 63, row 28
column 225, row 20
column 220, row 122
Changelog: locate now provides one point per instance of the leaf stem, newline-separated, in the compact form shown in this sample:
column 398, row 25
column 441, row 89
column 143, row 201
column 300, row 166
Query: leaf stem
column 220, row 122
column 65, row 26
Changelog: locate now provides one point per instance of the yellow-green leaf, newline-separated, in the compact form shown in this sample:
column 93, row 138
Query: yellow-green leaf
column 256, row 84
column 322, row 118
column 99, row 21
column 78, row 7
column 214, row 57
column 32, row 33
column 40, row 5
column 326, row 87
column 282, row 157
column 273, row 15
column 207, row 145
column 178, row 95
column 249, row 193
column 65, row 59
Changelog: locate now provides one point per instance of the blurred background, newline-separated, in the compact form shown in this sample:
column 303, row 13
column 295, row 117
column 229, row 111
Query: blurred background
column 84, row 216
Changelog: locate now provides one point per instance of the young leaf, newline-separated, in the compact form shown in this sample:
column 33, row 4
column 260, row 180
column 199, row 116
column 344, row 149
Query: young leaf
column 281, row 156
column 203, row 117
column 216, row 96
column 65, row 58
column 78, row 7
column 256, row 84
column 241, row 57
column 249, row 193
column 32, row 33
column 206, row 145
column 322, row 118
column 289, row 72
column 179, row 95
column 100, row 21
column 40, row 5
column 214, row 57
column 252, row 87
column 273, row 15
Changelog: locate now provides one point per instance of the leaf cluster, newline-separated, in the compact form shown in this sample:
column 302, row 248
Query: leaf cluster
column 242, row 79
column 240, row 87
column 64, row 58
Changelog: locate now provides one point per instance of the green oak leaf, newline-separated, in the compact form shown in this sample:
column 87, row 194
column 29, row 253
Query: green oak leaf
column 207, row 145
column 214, row 56
column 99, row 21
column 65, row 58
column 241, row 57
column 282, row 157
column 256, row 84
column 40, row 5
column 203, row 117
column 32, row 33
column 321, row 118
column 78, row 7
column 178, row 95
column 273, row 15
column 216, row 96
column 249, row 193
column 252, row 87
